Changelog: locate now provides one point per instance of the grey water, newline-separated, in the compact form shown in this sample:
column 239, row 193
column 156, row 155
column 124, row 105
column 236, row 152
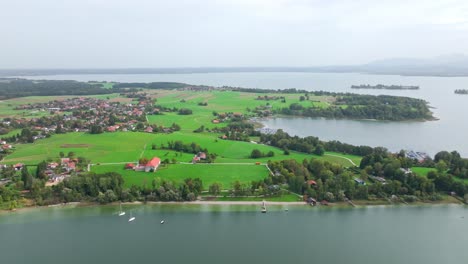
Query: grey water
column 236, row 234
column 447, row 133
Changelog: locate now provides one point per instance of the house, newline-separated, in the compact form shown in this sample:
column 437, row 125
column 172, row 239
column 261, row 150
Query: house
column 68, row 164
column 201, row 155
column 359, row 181
column 406, row 171
column 18, row 166
column 149, row 130
column 52, row 165
column 129, row 166
column 152, row 165
column 215, row 121
column 311, row 182
column 7, row 146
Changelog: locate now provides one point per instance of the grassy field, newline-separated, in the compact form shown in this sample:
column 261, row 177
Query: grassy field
column 221, row 102
column 209, row 173
column 130, row 146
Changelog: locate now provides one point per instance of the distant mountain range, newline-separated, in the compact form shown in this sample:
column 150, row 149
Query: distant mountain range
column 449, row 65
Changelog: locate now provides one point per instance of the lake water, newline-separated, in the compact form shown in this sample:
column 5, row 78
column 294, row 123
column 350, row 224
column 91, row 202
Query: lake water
column 448, row 133
column 233, row 234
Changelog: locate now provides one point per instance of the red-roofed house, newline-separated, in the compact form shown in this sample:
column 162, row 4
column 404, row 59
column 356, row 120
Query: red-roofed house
column 152, row 165
column 129, row 166
column 311, row 182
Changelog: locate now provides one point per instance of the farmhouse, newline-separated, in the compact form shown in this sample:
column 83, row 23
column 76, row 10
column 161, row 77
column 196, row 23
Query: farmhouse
column 150, row 166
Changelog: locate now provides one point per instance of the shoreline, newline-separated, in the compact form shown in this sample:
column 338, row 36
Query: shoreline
column 357, row 204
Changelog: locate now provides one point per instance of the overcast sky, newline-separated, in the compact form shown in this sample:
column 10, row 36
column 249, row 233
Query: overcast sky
column 199, row 33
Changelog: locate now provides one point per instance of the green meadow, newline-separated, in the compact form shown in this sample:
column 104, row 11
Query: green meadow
column 220, row 102
column 130, row 146
column 225, row 174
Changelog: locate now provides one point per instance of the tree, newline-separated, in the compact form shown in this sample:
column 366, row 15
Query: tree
column 441, row 166
column 61, row 154
column 319, row 150
column 215, row 188
column 26, row 178
column 256, row 154
column 40, row 170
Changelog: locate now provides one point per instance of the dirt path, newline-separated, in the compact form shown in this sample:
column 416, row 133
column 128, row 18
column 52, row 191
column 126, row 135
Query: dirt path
column 348, row 159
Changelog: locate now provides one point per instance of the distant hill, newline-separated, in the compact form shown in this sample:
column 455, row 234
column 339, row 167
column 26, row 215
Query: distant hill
column 448, row 65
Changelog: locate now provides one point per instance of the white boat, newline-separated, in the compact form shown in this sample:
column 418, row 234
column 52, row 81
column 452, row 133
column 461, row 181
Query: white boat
column 264, row 210
column 162, row 222
column 131, row 217
column 121, row 213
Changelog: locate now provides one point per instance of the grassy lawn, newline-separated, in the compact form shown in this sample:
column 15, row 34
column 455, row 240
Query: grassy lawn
column 224, row 174
column 422, row 171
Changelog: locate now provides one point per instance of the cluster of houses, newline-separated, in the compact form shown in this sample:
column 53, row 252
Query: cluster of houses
column 57, row 172
column 224, row 117
column 112, row 116
column 151, row 166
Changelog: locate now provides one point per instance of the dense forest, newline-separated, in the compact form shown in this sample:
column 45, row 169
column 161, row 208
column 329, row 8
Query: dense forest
column 382, row 107
column 12, row 88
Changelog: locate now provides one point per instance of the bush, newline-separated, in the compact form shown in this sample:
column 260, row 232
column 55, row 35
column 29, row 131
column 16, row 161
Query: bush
column 185, row 111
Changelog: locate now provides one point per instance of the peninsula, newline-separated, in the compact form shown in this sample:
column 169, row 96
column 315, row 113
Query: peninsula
column 103, row 142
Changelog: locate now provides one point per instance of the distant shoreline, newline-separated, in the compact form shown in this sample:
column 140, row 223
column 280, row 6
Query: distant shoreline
column 30, row 73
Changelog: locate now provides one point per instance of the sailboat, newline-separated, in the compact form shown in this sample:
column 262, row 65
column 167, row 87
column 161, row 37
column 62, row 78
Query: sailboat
column 264, row 210
column 131, row 217
column 121, row 213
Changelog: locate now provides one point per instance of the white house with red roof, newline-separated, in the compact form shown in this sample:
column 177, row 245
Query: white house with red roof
column 152, row 165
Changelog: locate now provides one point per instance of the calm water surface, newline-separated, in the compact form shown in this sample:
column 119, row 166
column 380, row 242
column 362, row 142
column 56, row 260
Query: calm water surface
column 449, row 133
column 214, row 234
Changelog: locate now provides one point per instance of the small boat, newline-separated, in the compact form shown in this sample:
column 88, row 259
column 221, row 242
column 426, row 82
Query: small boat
column 162, row 222
column 264, row 210
column 121, row 213
column 131, row 217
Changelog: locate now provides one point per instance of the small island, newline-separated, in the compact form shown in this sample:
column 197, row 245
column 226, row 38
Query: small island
column 386, row 87
column 461, row 91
